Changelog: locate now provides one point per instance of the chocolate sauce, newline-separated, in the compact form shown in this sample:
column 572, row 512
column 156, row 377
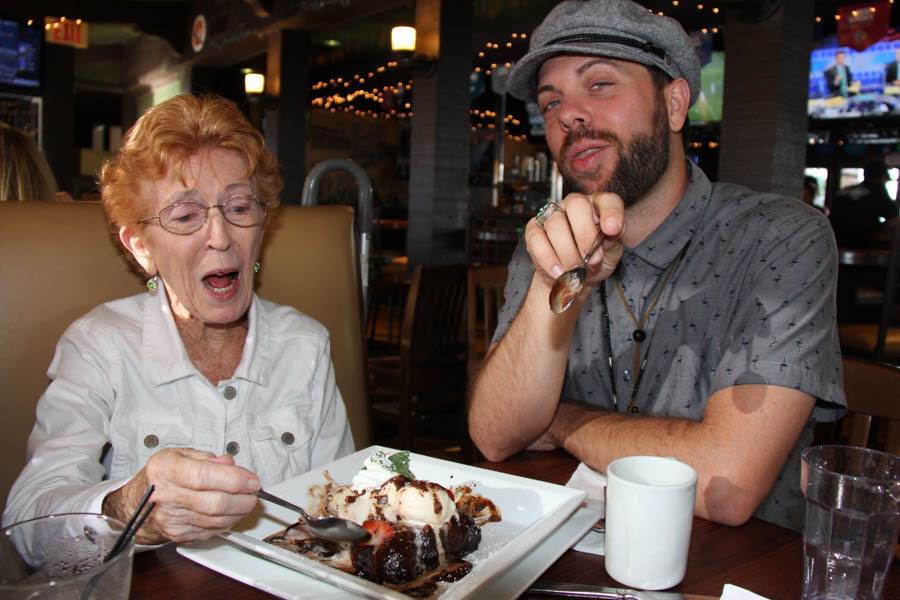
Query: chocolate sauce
column 426, row 586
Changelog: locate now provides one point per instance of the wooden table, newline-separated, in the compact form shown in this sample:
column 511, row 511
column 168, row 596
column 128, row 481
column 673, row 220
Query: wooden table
column 758, row 556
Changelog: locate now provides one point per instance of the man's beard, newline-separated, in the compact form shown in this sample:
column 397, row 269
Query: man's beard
column 639, row 166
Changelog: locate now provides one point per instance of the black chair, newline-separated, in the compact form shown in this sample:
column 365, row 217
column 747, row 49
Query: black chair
column 422, row 389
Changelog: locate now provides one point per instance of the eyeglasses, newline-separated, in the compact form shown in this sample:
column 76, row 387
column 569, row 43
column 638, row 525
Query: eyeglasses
column 184, row 218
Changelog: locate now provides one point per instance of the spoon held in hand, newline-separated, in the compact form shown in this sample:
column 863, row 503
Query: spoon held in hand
column 569, row 284
column 334, row 529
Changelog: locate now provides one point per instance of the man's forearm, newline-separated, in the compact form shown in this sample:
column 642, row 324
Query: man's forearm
column 514, row 397
column 598, row 437
column 737, row 454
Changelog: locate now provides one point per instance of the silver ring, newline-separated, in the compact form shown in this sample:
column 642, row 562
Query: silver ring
column 546, row 211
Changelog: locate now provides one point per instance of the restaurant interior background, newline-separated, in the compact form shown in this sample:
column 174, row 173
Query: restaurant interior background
column 456, row 166
column 333, row 79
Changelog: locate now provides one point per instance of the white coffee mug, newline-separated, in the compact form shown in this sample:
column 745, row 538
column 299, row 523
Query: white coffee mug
column 649, row 513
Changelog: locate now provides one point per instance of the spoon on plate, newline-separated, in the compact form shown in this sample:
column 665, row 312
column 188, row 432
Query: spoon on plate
column 569, row 284
column 334, row 529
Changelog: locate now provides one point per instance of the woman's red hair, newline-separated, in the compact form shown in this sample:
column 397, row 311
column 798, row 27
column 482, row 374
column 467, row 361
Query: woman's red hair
column 166, row 137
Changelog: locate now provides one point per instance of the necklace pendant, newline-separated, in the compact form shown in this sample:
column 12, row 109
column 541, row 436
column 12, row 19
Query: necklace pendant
column 639, row 335
column 634, row 410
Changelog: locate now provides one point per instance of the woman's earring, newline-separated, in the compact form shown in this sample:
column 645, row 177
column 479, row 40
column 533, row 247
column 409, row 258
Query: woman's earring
column 151, row 283
column 256, row 268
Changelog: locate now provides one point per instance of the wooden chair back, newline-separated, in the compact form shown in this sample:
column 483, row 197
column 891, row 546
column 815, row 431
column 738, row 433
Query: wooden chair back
column 880, row 341
column 427, row 380
column 873, row 392
column 431, row 337
column 872, row 389
column 485, row 285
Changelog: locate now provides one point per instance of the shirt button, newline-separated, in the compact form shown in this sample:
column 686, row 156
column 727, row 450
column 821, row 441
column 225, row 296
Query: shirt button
column 287, row 438
column 233, row 448
column 229, row 392
column 151, row 441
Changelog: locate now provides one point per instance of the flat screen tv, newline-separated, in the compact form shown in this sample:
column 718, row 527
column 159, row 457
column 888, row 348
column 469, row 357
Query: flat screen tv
column 708, row 107
column 20, row 54
column 871, row 89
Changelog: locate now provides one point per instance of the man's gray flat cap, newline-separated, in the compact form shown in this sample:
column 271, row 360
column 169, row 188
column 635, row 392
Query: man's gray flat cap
column 613, row 28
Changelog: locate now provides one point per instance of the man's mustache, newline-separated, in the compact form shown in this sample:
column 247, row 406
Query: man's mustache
column 576, row 135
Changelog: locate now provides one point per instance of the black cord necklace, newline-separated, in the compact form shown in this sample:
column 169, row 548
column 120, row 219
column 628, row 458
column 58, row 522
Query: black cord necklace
column 638, row 335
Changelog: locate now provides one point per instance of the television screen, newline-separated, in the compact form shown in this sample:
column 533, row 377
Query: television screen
column 708, row 107
column 20, row 51
column 845, row 83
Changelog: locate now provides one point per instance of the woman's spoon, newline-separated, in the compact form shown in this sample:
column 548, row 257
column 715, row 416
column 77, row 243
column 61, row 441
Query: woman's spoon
column 335, row 529
column 569, row 284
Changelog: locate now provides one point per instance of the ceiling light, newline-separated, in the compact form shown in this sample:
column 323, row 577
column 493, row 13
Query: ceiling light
column 403, row 39
column 254, row 83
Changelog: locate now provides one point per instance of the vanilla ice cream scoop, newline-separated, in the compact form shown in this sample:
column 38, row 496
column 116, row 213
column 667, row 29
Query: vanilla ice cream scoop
column 398, row 500
column 385, row 489
column 420, row 502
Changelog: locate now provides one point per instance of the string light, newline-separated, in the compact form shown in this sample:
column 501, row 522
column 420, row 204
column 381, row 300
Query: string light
column 337, row 93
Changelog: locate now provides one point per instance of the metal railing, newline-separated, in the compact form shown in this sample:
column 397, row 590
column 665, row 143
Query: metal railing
column 310, row 197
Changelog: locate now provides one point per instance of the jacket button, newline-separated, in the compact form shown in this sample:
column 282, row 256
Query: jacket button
column 287, row 438
column 151, row 441
column 232, row 448
column 229, row 392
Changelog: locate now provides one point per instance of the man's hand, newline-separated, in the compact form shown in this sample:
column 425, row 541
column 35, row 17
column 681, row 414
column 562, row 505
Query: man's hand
column 197, row 495
column 565, row 237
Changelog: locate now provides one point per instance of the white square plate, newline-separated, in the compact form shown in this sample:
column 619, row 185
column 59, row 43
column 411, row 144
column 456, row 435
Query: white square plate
column 531, row 511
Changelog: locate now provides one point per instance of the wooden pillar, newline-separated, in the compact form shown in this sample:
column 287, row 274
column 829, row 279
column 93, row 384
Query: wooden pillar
column 287, row 80
column 764, row 116
column 439, row 139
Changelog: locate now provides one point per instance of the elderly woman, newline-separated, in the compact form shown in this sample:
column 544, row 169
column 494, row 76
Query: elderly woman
column 197, row 386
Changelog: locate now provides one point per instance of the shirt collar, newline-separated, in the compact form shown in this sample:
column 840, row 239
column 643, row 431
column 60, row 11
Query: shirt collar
column 166, row 359
column 665, row 242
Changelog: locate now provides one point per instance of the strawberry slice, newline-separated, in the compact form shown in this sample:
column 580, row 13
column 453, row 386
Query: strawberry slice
column 381, row 531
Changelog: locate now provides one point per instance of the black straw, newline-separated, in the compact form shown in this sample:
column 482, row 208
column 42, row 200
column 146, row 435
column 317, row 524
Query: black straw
column 129, row 531
column 123, row 539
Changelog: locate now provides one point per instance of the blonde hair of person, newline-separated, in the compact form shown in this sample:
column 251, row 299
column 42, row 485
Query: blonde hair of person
column 167, row 135
column 24, row 172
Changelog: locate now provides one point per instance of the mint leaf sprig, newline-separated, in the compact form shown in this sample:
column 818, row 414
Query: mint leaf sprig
column 400, row 460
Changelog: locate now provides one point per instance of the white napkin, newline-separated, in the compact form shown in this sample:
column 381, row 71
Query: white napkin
column 733, row 592
column 594, row 483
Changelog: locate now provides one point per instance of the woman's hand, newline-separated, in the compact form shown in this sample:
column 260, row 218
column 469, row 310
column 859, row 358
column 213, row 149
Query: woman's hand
column 197, row 495
column 566, row 235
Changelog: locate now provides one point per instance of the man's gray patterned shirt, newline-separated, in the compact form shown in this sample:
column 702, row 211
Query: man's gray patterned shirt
column 751, row 301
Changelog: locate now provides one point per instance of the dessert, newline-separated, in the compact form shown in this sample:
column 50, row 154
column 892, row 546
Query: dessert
column 420, row 530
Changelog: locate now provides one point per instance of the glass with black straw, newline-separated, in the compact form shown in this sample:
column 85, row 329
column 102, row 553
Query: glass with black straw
column 71, row 556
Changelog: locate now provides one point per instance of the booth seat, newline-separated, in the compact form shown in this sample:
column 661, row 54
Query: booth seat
column 60, row 260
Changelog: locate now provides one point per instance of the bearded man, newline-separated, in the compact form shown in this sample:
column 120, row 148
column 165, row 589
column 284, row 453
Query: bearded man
column 705, row 329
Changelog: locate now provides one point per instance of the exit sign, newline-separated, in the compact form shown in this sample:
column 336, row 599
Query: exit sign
column 68, row 32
